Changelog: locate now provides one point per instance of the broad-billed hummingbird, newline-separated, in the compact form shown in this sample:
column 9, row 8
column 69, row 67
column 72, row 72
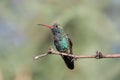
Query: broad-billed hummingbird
column 62, row 43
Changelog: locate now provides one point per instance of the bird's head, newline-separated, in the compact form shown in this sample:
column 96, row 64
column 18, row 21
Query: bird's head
column 55, row 28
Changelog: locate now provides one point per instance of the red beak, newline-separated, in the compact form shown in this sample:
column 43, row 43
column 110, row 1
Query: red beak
column 46, row 26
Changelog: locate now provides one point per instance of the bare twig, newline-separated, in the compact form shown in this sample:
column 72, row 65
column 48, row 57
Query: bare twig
column 98, row 55
column 39, row 56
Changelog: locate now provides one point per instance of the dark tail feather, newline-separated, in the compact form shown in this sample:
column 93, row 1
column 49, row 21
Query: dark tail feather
column 69, row 62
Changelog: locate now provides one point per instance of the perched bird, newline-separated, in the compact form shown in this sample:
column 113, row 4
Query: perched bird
column 62, row 43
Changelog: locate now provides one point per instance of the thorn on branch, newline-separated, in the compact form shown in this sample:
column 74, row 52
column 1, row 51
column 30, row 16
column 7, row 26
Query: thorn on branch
column 50, row 50
column 98, row 55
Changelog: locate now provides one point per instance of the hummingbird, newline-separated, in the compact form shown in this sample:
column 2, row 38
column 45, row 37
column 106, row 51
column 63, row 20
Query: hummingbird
column 62, row 43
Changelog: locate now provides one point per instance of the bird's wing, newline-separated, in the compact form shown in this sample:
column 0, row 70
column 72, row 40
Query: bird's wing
column 70, row 45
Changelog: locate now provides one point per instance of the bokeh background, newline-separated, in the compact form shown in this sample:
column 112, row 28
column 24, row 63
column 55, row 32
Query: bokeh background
column 93, row 25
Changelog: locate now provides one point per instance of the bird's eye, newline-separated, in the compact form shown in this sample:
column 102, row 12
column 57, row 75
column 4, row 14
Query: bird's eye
column 55, row 25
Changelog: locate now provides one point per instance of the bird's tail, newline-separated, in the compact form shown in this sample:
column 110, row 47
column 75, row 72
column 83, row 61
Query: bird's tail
column 69, row 62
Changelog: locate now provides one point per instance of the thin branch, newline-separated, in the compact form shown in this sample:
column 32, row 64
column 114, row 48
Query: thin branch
column 42, row 55
column 98, row 55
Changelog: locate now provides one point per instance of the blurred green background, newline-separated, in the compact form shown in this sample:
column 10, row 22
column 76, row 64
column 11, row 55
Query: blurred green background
column 91, row 24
